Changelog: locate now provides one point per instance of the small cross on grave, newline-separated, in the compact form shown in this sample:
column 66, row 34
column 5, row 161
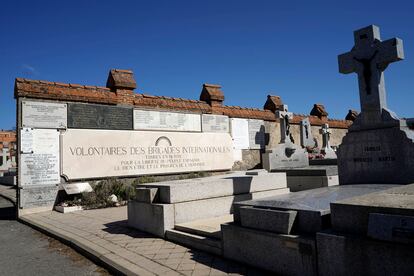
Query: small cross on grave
column 326, row 146
column 369, row 58
column 284, row 117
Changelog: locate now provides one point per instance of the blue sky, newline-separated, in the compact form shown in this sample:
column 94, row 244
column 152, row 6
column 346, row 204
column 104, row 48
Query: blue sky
column 251, row 48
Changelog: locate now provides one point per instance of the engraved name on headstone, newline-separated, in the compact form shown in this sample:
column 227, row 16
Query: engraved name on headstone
column 163, row 120
column 93, row 116
column 41, row 165
column 215, row 123
column 240, row 133
column 256, row 134
column 126, row 153
column 44, row 114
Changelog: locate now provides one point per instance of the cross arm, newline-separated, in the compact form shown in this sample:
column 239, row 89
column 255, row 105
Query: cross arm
column 391, row 50
column 346, row 63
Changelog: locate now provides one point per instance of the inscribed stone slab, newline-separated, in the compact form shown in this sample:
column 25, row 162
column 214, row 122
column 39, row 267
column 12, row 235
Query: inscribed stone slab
column 93, row 116
column 31, row 197
column 44, row 114
column 240, row 133
column 256, row 134
column 215, row 123
column 163, row 120
column 123, row 153
column 41, row 165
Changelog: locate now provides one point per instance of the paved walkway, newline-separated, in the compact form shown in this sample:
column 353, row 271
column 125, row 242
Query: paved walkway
column 104, row 233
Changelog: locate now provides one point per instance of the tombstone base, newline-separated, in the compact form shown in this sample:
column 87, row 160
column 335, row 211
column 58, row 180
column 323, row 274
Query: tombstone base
column 381, row 155
column 286, row 155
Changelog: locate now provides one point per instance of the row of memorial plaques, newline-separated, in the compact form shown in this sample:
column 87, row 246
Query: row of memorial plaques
column 41, row 114
column 248, row 133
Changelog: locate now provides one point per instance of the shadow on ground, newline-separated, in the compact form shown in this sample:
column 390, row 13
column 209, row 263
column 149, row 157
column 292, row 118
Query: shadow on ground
column 7, row 209
column 216, row 263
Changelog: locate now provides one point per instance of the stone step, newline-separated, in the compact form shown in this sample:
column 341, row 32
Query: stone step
column 210, row 227
column 206, row 244
column 216, row 207
column 217, row 186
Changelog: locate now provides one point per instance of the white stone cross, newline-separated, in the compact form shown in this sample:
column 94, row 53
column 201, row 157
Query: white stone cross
column 284, row 117
column 369, row 58
column 329, row 153
column 326, row 133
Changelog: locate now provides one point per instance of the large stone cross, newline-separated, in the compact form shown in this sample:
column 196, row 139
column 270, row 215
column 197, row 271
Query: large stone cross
column 284, row 117
column 369, row 58
column 326, row 133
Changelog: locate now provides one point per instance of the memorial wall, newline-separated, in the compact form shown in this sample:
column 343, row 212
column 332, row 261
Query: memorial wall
column 70, row 134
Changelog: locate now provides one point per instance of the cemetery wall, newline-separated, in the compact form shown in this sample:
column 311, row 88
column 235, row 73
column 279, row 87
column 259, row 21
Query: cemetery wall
column 72, row 117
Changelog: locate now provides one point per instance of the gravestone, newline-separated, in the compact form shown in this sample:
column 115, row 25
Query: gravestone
column 378, row 147
column 256, row 134
column 164, row 120
column 327, row 150
column 286, row 154
column 306, row 138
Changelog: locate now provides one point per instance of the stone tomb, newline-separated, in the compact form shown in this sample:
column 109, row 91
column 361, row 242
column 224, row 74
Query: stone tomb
column 287, row 236
column 371, row 235
column 378, row 147
column 286, row 154
column 166, row 208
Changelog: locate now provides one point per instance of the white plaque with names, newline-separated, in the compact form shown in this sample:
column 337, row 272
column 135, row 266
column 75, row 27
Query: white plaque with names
column 240, row 133
column 256, row 134
column 162, row 120
column 215, row 123
column 44, row 114
column 42, row 165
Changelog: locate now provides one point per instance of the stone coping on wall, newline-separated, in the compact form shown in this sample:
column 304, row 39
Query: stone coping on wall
column 102, row 95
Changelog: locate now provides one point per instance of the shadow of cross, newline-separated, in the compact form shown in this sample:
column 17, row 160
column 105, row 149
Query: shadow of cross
column 369, row 58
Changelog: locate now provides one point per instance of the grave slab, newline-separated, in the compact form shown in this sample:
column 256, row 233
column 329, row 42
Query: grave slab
column 352, row 215
column 217, row 186
column 312, row 206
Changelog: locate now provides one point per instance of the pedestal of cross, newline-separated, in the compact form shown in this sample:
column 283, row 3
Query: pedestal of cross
column 369, row 58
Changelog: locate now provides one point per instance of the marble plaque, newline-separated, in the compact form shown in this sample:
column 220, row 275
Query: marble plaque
column 26, row 140
column 31, row 197
column 215, row 123
column 162, row 120
column 41, row 165
column 77, row 188
column 105, row 153
column 94, row 116
column 256, row 134
column 44, row 114
column 240, row 133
